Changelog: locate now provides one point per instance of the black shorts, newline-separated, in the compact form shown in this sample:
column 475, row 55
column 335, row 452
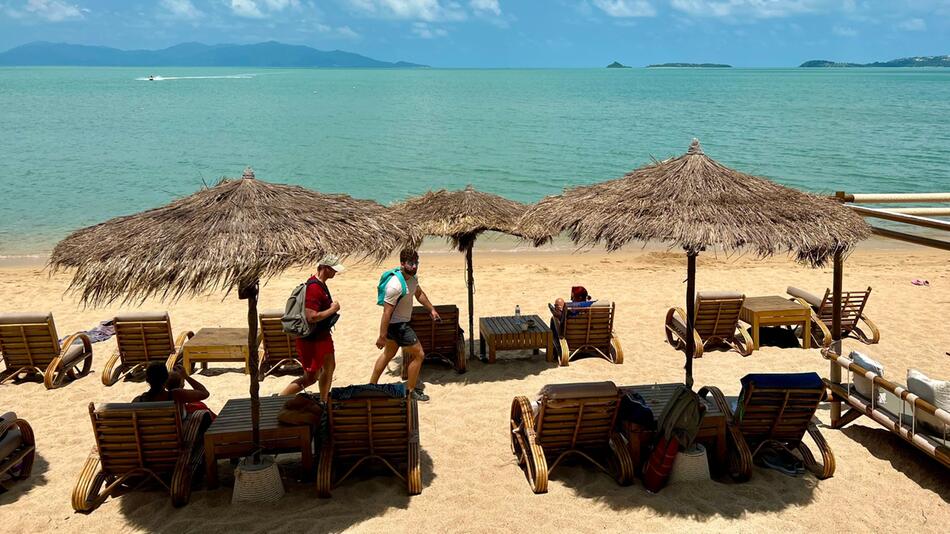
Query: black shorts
column 402, row 334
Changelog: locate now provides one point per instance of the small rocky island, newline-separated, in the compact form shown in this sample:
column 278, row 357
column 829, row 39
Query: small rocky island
column 617, row 65
column 917, row 61
column 690, row 65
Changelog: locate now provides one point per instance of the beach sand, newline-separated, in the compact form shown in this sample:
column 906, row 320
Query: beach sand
column 471, row 480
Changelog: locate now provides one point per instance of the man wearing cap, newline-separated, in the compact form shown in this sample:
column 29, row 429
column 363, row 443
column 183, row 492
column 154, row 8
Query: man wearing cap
column 316, row 350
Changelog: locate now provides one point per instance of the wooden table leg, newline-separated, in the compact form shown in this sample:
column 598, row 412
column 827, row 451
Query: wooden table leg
column 211, row 464
column 755, row 332
column 491, row 349
column 549, row 355
column 306, row 453
column 806, row 330
column 481, row 344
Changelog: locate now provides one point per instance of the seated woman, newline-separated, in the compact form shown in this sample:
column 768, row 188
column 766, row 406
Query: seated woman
column 165, row 386
column 579, row 299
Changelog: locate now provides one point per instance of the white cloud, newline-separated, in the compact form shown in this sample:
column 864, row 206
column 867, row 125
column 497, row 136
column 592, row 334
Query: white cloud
column 426, row 31
column 486, row 6
column 844, row 31
column 913, row 25
column 425, row 10
column 761, row 9
column 182, row 9
column 626, row 8
column 258, row 9
column 50, row 10
column 340, row 31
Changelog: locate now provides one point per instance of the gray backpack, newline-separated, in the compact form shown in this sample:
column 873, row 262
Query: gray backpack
column 294, row 320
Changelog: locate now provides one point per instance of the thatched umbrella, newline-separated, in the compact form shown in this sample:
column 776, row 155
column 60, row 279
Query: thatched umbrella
column 696, row 203
column 461, row 216
column 225, row 237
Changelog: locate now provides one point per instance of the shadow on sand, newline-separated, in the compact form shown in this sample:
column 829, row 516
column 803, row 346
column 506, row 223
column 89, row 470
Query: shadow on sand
column 767, row 491
column 361, row 497
column 928, row 473
column 12, row 490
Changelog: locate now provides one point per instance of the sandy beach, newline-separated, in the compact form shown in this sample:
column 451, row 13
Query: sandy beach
column 471, row 480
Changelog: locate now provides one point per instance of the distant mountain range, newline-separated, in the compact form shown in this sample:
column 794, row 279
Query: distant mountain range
column 916, row 61
column 691, row 65
column 269, row 54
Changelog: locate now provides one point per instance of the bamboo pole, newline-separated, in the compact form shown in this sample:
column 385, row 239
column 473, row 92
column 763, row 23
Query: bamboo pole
column 471, row 299
column 835, row 373
column 893, row 198
column 690, row 312
column 925, row 222
column 251, row 294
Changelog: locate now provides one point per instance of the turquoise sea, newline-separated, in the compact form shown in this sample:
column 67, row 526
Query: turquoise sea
column 81, row 145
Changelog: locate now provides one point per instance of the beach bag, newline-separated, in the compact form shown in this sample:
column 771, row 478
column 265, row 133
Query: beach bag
column 681, row 418
column 303, row 409
column 660, row 464
column 294, row 320
column 384, row 280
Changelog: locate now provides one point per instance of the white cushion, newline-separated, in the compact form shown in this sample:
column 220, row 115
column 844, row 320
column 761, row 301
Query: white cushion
column 861, row 383
column 936, row 392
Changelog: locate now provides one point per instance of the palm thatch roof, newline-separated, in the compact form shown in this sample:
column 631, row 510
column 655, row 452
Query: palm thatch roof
column 461, row 215
column 694, row 202
column 222, row 237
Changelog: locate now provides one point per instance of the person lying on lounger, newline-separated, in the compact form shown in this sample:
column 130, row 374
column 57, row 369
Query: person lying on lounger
column 579, row 299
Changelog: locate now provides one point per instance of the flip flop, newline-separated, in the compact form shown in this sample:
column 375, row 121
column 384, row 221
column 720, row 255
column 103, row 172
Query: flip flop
column 919, row 282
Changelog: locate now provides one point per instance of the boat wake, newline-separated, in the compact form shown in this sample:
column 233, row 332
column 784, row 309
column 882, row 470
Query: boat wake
column 170, row 78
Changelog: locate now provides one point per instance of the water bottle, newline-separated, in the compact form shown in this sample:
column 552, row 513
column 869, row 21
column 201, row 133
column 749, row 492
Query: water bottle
column 517, row 311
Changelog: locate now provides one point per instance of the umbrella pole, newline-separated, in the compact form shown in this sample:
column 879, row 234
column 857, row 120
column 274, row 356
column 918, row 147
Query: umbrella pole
column 471, row 306
column 690, row 313
column 251, row 293
column 836, row 328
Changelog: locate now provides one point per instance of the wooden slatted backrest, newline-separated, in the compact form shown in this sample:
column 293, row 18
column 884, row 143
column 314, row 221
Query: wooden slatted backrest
column 144, row 337
column 28, row 339
column 770, row 411
column 717, row 314
column 371, row 425
column 278, row 345
column 591, row 326
column 852, row 306
column 583, row 421
column 437, row 337
column 138, row 435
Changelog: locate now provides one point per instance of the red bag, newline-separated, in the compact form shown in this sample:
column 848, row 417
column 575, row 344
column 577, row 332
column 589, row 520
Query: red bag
column 660, row 464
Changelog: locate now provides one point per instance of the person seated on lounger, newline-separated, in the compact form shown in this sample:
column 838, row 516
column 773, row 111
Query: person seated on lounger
column 579, row 299
column 165, row 386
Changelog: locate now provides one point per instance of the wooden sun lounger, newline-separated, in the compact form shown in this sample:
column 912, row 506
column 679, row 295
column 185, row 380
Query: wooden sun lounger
column 280, row 349
column 143, row 338
column 29, row 345
column 716, row 322
column 586, row 330
column 136, row 441
column 853, row 320
column 441, row 340
column 17, row 447
column 774, row 409
column 898, row 412
column 571, row 419
column 371, row 427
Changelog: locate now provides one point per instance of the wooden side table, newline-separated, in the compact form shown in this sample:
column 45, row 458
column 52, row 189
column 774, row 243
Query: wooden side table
column 230, row 435
column 506, row 333
column 775, row 311
column 712, row 432
column 217, row 345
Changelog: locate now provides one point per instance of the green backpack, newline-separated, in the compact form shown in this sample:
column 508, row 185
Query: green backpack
column 384, row 281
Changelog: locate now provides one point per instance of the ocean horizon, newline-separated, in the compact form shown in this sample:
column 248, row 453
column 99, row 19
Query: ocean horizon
column 84, row 144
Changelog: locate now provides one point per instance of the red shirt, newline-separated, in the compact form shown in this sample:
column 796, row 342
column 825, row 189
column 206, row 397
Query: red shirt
column 318, row 300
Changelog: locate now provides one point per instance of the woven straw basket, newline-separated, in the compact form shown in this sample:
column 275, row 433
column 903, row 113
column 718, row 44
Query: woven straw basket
column 257, row 483
column 690, row 465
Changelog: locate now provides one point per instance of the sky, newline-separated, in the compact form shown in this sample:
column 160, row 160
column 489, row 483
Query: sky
column 508, row 33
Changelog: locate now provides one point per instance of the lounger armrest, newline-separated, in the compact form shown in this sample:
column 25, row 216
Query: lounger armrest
column 875, row 333
column 9, row 420
column 64, row 346
column 719, row 399
column 180, row 342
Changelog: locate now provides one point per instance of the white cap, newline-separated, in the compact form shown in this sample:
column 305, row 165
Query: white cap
column 332, row 262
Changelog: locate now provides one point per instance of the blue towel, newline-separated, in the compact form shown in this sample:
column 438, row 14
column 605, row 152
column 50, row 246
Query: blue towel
column 783, row 381
column 396, row 391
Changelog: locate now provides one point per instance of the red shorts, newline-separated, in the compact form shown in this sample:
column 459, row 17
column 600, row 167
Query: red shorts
column 313, row 352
